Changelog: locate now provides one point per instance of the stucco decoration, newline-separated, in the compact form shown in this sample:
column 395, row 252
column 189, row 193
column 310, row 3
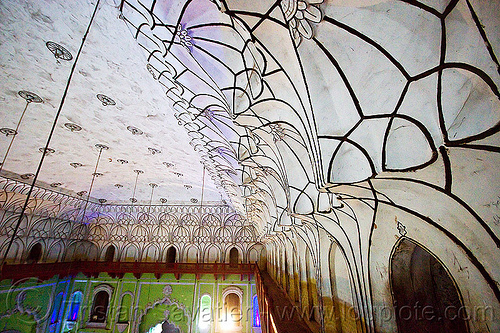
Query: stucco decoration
column 362, row 114
column 143, row 233
column 167, row 300
column 382, row 122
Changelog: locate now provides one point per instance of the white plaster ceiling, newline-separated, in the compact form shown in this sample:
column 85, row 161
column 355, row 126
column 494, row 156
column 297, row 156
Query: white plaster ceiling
column 284, row 100
column 111, row 63
column 301, row 96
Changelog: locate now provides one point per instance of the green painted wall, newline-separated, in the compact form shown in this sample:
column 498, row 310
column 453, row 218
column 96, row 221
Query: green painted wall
column 135, row 305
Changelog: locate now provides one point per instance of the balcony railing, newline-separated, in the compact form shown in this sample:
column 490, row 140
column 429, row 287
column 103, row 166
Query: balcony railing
column 114, row 269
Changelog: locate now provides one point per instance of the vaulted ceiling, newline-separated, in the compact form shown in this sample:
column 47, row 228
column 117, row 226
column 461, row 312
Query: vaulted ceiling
column 281, row 101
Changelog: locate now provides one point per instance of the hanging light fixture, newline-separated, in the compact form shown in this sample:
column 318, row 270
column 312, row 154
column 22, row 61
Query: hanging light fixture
column 138, row 172
column 95, row 174
column 153, row 185
column 30, row 98
column 33, row 98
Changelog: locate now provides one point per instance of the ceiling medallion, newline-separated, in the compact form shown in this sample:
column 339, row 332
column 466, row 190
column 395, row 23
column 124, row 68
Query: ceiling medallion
column 97, row 174
column 188, row 187
column 101, row 146
column 76, row 164
column 27, row 176
column 55, row 184
column 47, row 151
column 30, row 97
column 59, row 51
column 81, row 193
column 178, row 174
column 73, row 127
column 138, row 171
column 7, row 131
column 135, row 130
column 122, row 161
column 154, row 151
column 133, row 200
column 118, row 185
column 101, row 201
column 163, row 200
column 168, row 164
column 153, row 185
column 105, row 100
column 194, row 200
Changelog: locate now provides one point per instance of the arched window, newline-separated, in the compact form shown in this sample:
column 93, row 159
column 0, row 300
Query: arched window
column 74, row 306
column 233, row 257
column 256, row 316
column 54, row 318
column 100, row 307
column 230, row 319
column 421, row 283
column 232, row 311
column 125, row 306
column 110, row 253
column 35, row 254
column 205, row 316
column 171, row 255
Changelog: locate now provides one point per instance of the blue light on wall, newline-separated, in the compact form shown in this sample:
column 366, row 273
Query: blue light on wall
column 76, row 300
column 256, row 317
column 56, row 309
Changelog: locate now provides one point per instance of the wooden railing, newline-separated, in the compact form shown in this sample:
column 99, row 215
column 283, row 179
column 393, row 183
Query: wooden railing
column 114, row 269
column 277, row 312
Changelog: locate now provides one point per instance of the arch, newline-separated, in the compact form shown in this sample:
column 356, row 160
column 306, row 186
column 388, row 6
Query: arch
column 130, row 253
column 180, row 235
column 341, row 287
column 171, row 256
column 98, row 233
column 56, row 309
column 190, row 219
column 151, row 253
column 263, row 258
column 232, row 298
column 125, row 306
column 234, row 257
column 245, row 235
column 287, row 272
column 212, row 254
column 201, row 235
column 210, row 219
column 92, row 251
column 74, row 307
column 81, row 251
column 205, row 316
column 255, row 312
column 312, row 295
column 420, row 281
column 161, row 234
column 191, row 254
column 54, row 252
column 35, row 254
column 110, row 253
column 253, row 255
column 100, row 304
column 138, row 234
column 15, row 252
column 223, row 235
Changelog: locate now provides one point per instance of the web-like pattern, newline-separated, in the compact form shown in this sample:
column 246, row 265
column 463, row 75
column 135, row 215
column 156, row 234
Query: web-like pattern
column 316, row 116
